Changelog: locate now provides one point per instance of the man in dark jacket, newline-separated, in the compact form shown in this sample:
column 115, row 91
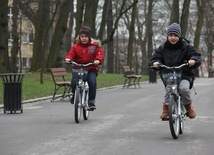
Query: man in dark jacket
column 174, row 52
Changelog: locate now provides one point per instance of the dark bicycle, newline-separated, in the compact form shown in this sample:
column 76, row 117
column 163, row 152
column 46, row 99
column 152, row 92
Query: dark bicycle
column 81, row 91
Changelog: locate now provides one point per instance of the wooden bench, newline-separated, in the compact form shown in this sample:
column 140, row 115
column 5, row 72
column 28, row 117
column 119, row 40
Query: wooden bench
column 58, row 76
column 130, row 77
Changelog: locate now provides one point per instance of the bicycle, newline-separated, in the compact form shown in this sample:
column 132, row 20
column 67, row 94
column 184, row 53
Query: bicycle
column 171, row 76
column 81, row 92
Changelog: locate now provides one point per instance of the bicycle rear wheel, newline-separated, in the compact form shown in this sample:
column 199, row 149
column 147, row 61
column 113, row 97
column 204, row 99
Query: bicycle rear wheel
column 77, row 105
column 85, row 111
column 174, row 120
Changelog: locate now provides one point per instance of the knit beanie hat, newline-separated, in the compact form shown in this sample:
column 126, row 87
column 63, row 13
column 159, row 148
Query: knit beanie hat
column 85, row 30
column 174, row 29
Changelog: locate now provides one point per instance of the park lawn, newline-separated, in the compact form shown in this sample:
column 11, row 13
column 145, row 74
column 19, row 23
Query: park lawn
column 31, row 87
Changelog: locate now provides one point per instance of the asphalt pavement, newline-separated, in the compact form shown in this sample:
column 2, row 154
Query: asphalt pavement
column 126, row 122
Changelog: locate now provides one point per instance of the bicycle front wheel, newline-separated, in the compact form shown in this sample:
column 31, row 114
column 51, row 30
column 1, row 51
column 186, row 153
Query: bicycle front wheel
column 85, row 108
column 174, row 120
column 182, row 119
column 77, row 105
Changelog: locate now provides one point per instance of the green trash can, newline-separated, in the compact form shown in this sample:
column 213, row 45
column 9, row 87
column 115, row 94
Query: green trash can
column 12, row 90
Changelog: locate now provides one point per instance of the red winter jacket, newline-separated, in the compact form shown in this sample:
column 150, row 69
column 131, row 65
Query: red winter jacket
column 84, row 54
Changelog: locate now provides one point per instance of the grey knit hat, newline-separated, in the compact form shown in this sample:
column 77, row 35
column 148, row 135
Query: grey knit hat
column 174, row 29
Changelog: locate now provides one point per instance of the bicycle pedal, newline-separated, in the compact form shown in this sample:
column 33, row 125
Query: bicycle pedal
column 186, row 114
column 165, row 119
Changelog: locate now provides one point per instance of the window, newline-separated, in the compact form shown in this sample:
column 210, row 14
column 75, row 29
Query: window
column 10, row 13
column 31, row 37
column 24, row 37
column 10, row 40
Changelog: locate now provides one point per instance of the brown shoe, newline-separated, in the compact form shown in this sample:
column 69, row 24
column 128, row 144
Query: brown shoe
column 191, row 111
column 164, row 114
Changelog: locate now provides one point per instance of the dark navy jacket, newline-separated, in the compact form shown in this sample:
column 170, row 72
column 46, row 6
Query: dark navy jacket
column 170, row 56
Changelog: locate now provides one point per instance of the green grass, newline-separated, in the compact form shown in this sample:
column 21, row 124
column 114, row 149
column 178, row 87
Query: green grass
column 31, row 87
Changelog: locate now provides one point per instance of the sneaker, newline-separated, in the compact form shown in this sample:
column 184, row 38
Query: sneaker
column 91, row 107
column 72, row 100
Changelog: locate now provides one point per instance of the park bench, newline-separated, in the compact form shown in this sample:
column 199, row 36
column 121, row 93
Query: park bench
column 130, row 78
column 58, row 76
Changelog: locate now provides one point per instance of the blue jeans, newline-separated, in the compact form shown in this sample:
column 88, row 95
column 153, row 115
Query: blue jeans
column 92, row 83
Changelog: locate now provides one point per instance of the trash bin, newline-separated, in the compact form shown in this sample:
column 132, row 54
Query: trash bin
column 12, row 92
column 152, row 76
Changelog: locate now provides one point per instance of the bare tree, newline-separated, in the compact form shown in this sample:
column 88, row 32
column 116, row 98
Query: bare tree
column 90, row 15
column 104, row 19
column 149, row 31
column 132, row 34
column 54, row 56
column 15, row 43
column 41, row 18
column 201, row 6
column 110, row 47
column 208, row 35
column 4, row 59
column 122, row 11
column 185, row 17
column 79, row 16
column 175, row 12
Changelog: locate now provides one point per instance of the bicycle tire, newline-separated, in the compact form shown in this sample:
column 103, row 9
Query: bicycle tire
column 85, row 108
column 174, row 120
column 77, row 105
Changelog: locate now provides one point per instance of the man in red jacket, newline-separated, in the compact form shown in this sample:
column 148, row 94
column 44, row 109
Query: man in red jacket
column 84, row 51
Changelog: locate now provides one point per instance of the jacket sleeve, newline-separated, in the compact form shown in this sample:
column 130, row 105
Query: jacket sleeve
column 99, row 51
column 71, row 53
column 157, row 56
column 99, row 54
column 193, row 54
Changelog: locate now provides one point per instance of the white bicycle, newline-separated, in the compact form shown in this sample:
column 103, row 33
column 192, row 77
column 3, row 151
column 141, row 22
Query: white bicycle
column 81, row 92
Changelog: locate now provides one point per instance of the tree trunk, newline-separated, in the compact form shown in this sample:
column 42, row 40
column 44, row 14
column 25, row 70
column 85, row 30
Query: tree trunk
column 69, row 31
column 90, row 15
column 201, row 6
column 104, row 19
column 15, row 45
column 79, row 17
column 185, row 17
column 110, row 47
column 41, row 19
column 175, row 12
column 131, row 35
column 54, row 57
column 149, row 29
column 4, row 59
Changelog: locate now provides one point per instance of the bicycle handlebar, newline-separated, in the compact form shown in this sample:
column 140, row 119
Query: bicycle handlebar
column 81, row 65
column 172, row 67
